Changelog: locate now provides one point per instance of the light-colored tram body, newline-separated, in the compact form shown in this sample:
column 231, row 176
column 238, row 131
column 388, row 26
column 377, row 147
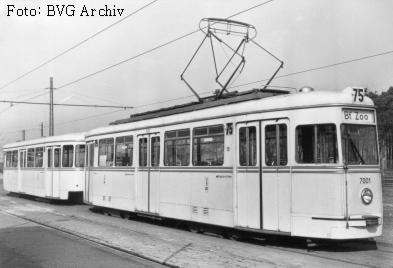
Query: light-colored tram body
column 303, row 164
column 51, row 167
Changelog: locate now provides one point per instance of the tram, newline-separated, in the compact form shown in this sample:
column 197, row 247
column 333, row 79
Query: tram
column 303, row 164
column 51, row 167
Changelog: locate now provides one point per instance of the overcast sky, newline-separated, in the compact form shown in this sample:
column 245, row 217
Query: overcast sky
column 303, row 33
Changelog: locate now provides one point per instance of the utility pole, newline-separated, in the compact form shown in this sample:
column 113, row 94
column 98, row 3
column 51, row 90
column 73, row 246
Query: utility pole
column 51, row 128
column 42, row 129
column 23, row 135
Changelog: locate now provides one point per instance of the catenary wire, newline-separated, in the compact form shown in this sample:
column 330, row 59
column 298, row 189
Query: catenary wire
column 319, row 68
column 153, row 49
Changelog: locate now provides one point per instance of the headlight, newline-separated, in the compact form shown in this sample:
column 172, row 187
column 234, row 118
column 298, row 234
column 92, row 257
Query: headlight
column 367, row 196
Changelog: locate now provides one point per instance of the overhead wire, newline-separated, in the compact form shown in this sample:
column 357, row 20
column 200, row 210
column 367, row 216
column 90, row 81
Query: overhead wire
column 153, row 49
column 319, row 68
column 119, row 110
column 77, row 45
column 235, row 86
column 149, row 50
column 67, row 104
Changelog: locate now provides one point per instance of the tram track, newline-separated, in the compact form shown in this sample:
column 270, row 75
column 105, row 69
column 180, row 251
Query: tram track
column 90, row 240
column 289, row 245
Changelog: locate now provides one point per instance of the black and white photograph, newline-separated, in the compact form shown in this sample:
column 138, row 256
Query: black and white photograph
column 210, row 133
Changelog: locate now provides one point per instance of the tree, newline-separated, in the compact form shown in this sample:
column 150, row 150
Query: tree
column 384, row 107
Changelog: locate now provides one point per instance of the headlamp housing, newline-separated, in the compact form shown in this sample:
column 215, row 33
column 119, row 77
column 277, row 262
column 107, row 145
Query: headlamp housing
column 366, row 196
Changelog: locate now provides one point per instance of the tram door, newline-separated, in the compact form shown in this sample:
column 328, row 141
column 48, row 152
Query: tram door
column 89, row 165
column 148, row 173
column 276, row 176
column 52, row 177
column 263, row 178
column 248, row 175
column 22, row 164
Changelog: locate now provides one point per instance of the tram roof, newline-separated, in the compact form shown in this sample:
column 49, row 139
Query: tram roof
column 207, row 102
column 257, row 101
column 71, row 137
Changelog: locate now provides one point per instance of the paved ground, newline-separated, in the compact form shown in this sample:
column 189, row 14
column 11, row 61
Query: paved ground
column 180, row 248
column 26, row 244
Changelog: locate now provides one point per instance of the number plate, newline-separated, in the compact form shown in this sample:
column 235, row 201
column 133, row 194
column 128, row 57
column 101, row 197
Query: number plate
column 358, row 116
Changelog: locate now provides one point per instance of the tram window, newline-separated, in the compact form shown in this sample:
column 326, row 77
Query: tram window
column 8, row 159
column 276, row 145
column 155, row 151
column 105, row 152
column 22, row 157
column 14, row 159
column 56, row 157
column 39, row 152
column 68, row 156
column 143, row 152
column 30, row 157
column 248, row 146
column 80, row 155
column 316, row 144
column 124, row 151
column 208, row 146
column 91, row 154
column 177, row 148
column 359, row 144
column 49, row 157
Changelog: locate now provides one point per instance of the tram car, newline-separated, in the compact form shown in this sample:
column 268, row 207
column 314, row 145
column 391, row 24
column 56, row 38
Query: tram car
column 51, row 167
column 303, row 164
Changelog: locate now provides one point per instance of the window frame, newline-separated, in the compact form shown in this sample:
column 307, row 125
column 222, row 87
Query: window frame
column 62, row 156
column 208, row 135
column 27, row 157
column 22, row 158
column 376, row 141
column 124, row 143
column 247, row 142
column 83, row 155
column 277, row 139
column 8, row 159
column 337, row 149
column 145, row 152
column 112, row 161
column 35, row 156
column 59, row 162
column 176, row 146
column 154, row 153
column 13, row 153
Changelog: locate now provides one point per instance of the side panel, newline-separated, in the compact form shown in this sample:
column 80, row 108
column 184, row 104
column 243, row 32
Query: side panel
column 175, row 193
column 318, row 193
column 10, row 179
column 70, row 180
column 122, row 189
column 358, row 179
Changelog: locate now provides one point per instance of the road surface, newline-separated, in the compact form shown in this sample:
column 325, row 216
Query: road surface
column 26, row 244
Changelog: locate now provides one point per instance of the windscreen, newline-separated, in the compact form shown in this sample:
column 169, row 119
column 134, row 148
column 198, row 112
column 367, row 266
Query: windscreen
column 359, row 144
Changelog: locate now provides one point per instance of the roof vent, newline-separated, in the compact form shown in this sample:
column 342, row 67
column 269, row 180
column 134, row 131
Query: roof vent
column 305, row 89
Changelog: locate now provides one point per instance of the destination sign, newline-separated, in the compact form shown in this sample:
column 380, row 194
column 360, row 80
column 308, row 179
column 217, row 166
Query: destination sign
column 358, row 116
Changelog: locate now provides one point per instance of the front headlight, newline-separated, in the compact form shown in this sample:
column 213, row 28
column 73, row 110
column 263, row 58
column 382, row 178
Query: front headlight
column 367, row 196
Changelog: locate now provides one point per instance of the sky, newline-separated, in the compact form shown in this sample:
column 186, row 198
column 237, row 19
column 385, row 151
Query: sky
column 304, row 34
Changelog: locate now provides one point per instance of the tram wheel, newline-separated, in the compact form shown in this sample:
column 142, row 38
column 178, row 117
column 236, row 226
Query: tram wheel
column 194, row 228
